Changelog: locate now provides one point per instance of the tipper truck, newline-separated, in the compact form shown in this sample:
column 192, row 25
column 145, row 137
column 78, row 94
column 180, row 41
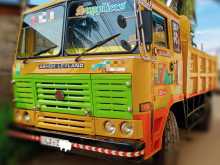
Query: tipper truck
column 113, row 78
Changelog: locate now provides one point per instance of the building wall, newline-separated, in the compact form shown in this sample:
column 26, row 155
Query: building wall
column 9, row 25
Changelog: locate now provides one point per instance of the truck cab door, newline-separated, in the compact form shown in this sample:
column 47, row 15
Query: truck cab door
column 163, row 73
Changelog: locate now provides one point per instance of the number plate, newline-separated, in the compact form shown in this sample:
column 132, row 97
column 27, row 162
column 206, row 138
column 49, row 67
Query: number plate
column 58, row 143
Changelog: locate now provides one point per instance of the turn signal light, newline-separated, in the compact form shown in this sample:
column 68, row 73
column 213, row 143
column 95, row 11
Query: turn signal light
column 145, row 107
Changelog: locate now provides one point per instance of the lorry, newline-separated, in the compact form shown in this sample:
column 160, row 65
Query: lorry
column 110, row 78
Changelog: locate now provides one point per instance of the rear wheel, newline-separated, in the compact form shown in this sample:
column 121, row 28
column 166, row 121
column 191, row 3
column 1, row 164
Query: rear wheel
column 204, row 125
column 171, row 138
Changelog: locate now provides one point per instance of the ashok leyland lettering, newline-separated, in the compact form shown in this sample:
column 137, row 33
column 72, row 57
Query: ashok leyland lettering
column 114, row 78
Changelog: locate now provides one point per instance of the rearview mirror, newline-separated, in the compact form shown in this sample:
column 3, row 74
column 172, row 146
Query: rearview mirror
column 122, row 22
column 126, row 45
column 147, row 26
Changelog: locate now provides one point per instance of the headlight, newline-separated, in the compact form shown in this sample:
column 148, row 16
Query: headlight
column 126, row 128
column 110, row 127
column 26, row 117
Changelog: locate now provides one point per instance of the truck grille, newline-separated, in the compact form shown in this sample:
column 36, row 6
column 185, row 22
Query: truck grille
column 112, row 97
column 77, row 96
column 66, row 123
column 99, row 95
column 24, row 94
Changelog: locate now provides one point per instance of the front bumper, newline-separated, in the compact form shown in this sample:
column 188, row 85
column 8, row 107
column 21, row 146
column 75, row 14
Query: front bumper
column 89, row 145
column 76, row 124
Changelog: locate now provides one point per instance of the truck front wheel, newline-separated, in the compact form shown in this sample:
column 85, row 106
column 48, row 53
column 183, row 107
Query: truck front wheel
column 171, row 140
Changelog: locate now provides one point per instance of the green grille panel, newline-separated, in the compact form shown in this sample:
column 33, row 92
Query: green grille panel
column 100, row 95
column 77, row 101
column 112, row 96
column 24, row 94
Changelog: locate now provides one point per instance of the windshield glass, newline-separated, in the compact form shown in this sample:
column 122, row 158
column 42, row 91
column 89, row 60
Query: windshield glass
column 42, row 33
column 93, row 21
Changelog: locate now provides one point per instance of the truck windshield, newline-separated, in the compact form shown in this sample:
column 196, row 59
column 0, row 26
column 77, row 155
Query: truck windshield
column 92, row 21
column 41, row 34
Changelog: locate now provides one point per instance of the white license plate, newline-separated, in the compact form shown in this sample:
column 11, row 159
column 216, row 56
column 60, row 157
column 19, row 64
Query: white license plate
column 63, row 145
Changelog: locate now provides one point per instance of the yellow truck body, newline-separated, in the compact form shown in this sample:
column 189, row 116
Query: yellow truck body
column 112, row 103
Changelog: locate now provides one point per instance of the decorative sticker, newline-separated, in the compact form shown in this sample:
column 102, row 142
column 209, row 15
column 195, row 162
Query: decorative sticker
column 80, row 11
column 146, row 3
column 108, row 66
column 161, row 52
column 43, row 17
column 162, row 75
column 101, row 66
column 106, row 7
column 162, row 92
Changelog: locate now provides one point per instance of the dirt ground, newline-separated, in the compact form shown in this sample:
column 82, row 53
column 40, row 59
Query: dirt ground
column 197, row 149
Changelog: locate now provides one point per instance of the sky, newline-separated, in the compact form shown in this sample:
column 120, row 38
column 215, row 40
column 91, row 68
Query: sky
column 38, row 1
column 208, row 25
column 207, row 32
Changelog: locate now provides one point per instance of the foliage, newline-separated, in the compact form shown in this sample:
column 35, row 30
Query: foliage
column 184, row 7
column 11, row 151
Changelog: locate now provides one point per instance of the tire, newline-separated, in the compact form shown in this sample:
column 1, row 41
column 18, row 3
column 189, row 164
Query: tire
column 171, row 138
column 204, row 125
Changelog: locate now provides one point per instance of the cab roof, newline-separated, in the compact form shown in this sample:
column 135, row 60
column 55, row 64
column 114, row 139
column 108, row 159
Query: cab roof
column 156, row 3
column 44, row 5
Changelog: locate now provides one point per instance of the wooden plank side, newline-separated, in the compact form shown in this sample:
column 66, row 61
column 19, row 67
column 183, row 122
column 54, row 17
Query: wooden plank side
column 202, row 73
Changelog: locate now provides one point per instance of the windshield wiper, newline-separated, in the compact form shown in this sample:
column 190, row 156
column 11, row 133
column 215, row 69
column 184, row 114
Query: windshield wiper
column 44, row 51
column 39, row 53
column 98, row 44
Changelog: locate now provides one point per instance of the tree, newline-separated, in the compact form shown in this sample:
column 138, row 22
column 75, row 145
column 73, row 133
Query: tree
column 183, row 7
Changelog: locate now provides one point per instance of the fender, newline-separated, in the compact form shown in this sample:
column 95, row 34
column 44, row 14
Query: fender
column 154, row 125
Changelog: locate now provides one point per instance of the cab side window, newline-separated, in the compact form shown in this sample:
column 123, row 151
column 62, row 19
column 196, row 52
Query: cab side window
column 176, row 37
column 160, row 30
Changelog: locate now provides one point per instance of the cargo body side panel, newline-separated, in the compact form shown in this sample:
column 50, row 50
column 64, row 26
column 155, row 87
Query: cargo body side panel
column 199, row 68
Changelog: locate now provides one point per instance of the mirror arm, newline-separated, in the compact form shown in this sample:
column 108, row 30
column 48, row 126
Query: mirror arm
column 142, row 36
column 130, row 17
column 133, row 41
column 141, row 26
